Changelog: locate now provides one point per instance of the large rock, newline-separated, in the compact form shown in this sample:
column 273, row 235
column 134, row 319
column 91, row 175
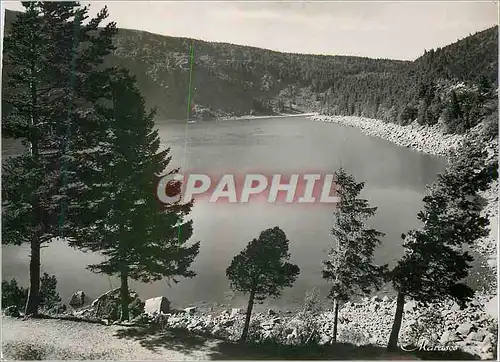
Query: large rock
column 77, row 299
column 410, row 306
column 477, row 336
column 464, row 328
column 491, row 307
column 157, row 305
column 190, row 310
column 236, row 311
column 108, row 306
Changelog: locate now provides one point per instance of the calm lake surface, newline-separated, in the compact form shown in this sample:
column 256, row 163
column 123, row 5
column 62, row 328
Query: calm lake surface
column 395, row 180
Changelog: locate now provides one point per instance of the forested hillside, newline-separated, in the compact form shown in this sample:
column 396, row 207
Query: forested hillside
column 455, row 84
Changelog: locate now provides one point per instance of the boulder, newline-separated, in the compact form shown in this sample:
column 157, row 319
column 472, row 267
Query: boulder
column 236, row 311
column 477, row 336
column 190, row 310
column 77, row 300
column 449, row 336
column 157, row 305
column 12, row 311
column 491, row 307
column 455, row 307
column 464, row 328
column 108, row 306
column 409, row 306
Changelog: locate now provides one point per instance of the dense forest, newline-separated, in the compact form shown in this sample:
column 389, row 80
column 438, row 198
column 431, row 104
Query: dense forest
column 455, row 84
column 94, row 156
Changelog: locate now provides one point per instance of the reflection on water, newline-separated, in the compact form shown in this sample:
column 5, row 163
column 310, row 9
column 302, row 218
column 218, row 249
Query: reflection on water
column 394, row 177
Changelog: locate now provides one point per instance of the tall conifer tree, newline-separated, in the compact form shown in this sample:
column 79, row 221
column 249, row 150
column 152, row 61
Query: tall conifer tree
column 349, row 266
column 141, row 238
column 55, row 79
column 435, row 262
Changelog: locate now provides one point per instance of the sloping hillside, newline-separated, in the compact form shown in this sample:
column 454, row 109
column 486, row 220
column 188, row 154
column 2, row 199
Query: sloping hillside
column 233, row 79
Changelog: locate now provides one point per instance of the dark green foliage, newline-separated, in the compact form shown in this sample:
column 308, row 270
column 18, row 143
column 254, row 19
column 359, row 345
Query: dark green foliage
column 140, row 238
column 435, row 263
column 14, row 294
column 54, row 77
column 229, row 78
column 48, row 292
column 349, row 267
column 464, row 109
column 262, row 269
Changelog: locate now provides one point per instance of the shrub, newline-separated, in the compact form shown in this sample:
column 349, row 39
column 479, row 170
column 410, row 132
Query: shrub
column 48, row 292
column 14, row 294
column 304, row 328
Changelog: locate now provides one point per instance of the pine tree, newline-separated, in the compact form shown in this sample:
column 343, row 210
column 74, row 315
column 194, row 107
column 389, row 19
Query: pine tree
column 435, row 263
column 141, row 238
column 55, row 77
column 262, row 270
column 350, row 267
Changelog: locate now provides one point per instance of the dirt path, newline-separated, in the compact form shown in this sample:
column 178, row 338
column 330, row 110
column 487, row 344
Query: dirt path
column 57, row 339
column 53, row 339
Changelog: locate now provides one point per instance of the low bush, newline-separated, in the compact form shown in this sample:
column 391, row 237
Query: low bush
column 14, row 294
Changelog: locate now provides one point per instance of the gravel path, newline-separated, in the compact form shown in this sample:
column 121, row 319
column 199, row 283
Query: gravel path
column 58, row 339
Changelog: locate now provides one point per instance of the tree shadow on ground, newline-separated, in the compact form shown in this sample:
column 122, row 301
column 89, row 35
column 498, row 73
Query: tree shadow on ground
column 182, row 340
column 338, row 351
column 178, row 339
column 271, row 351
column 446, row 355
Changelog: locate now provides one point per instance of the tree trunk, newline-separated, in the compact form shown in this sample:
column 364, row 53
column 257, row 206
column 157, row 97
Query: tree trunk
column 335, row 320
column 247, row 318
column 34, row 290
column 124, row 296
column 396, row 326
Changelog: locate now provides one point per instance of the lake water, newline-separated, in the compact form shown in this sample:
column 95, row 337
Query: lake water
column 395, row 180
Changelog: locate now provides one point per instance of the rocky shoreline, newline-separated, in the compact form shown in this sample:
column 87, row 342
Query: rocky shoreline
column 420, row 138
column 431, row 140
column 443, row 327
column 436, row 327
